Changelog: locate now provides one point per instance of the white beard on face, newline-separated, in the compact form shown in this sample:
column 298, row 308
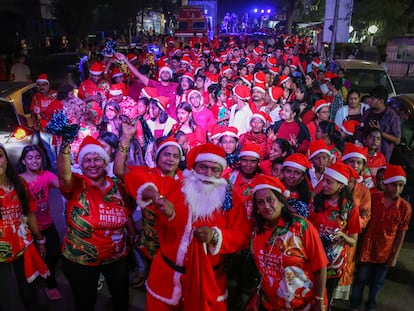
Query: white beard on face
column 203, row 199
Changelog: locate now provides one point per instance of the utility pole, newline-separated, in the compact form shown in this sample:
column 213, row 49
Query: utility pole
column 334, row 30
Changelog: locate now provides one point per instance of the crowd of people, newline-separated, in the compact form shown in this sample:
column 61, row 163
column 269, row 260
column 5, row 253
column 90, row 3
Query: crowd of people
column 249, row 163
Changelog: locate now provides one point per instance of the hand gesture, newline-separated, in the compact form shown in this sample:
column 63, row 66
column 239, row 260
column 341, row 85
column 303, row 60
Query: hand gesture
column 129, row 128
column 204, row 234
column 271, row 134
column 293, row 140
column 121, row 56
column 165, row 207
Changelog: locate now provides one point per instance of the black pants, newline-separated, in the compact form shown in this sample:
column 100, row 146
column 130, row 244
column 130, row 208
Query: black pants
column 53, row 253
column 84, row 280
column 27, row 291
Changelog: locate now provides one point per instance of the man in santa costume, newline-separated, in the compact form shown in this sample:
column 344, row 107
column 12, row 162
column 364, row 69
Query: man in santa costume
column 41, row 99
column 197, row 224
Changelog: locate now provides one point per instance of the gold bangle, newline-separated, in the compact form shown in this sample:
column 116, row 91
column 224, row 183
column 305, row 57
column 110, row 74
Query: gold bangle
column 319, row 298
column 122, row 148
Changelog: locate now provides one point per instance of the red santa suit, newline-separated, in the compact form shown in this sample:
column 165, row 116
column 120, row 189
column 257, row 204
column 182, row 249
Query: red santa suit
column 186, row 272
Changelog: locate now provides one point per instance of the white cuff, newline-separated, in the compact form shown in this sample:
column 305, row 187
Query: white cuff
column 214, row 250
column 140, row 202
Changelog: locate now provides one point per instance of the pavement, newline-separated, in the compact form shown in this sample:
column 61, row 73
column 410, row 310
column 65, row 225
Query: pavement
column 396, row 295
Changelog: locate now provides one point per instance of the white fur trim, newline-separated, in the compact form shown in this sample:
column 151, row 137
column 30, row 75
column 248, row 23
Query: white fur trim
column 166, row 144
column 214, row 250
column 259, row 88
column 395, row 178
column 223, row 297
column 95, row 72
column 115, row 92
column 266, row 186
column 249, row 154
column 321, row 106
column 257, row 115
column 316, row 152
column 211, row 157
column 140, row 202
column 92, row 149
column 42, row 81
column 176, row 295
column 229, row 133
column 295, row 165
column 352, row 155
column 284, row 80
column 315, row 64
column 336, row 175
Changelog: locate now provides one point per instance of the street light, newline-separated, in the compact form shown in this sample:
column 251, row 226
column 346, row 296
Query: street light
column 372, row 30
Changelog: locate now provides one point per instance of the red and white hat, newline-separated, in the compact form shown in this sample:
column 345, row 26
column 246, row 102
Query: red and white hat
column 116, row 72
column 132, row 57
column 188, row 75
column 170, row 141
column 260, row 77
column 316, row 62
column 349, row 126
column 269, row 182
column 248, row 79
column 275, row 93
column 338, row 171
column 242, row 92
column 192, row 92
column 186, row 60
column 351, row 150
column 215, row 131
column 226, row 69
column 206, row 152
column 274, row 70
column 162, row 102
column 91, row 145
column 272, row 61
column 260, row 87
column 230, row 131
column 316, row 147
column 250, row 63
column 262, row 116
column 394, row 173
column 330, row 75
column 96, row 69
column 282, row 80
column 42, row 78
column 250, row 150
column 149, row 92
column 116, row 89
column 320, row 104
column 165, row 68
column 298, row 161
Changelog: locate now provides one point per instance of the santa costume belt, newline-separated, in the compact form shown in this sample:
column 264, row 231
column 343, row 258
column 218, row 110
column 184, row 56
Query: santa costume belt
column 180, row 269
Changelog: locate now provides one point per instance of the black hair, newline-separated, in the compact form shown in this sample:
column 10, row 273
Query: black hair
column 187, row 107
column 180, row 90
column 163, row 115
column 344, row 197
column 368, row 130
column 329, row 127
column 286, row 214
column 63, row 91
column 337, row 83
column 295, row 107
column 17, row 183
column 284, row 145
column 111, row 139
column 353, row 91
column 21, row 168
column 380, row 92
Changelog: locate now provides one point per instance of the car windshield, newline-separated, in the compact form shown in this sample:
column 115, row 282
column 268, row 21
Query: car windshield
column 8, row 118
column 365, row 80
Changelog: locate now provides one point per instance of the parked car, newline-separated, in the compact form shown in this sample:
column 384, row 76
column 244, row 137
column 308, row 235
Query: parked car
column 16, row 122
column 66, row 67
column 364, row 75
column 20, row 94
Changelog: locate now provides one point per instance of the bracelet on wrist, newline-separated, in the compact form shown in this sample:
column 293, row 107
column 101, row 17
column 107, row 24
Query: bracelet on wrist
column 41, row 241
column 158, row 197
column 319, row 298
column 122, row 148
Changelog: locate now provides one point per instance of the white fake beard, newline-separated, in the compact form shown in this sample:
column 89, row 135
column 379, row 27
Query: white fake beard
column 203, row 199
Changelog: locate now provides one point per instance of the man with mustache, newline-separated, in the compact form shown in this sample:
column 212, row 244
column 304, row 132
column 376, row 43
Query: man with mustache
column 197, row 224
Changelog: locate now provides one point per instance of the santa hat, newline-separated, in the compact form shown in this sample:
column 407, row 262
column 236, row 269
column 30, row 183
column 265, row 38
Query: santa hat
column 260, row 77
column 330, row 75
column 116, row 89
column 230, row 131
column 316, row 62
column 248, row 79
column 192, row 92
column 149, row 92
column 298, row 161
column 91, row 145
column 320, row 104
column 132, row 57
column 171, row 41
column 42, row 78
column 338, row 171
column 197, row 67
column 250, row 63
column 269, row 182
column 351, row 150
column 226, row 69
column 394, row 173
column 206, row 152
column 188, row 75
column 282, row 80
column 186, row 60
column 216, row 131
column 162, row 102
column 170, row 141
column 272, row 61
column 116, row 72
column 250, row 150
column 96, row 69
column 275, row 93
column 260, row 87
column 206, row 50
column 274, row 70
column 233, row 62
column 316, row 147
column 257, row 51
column 349, row 126
column 242, row 92
column 262, row 116
column 166, row 68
